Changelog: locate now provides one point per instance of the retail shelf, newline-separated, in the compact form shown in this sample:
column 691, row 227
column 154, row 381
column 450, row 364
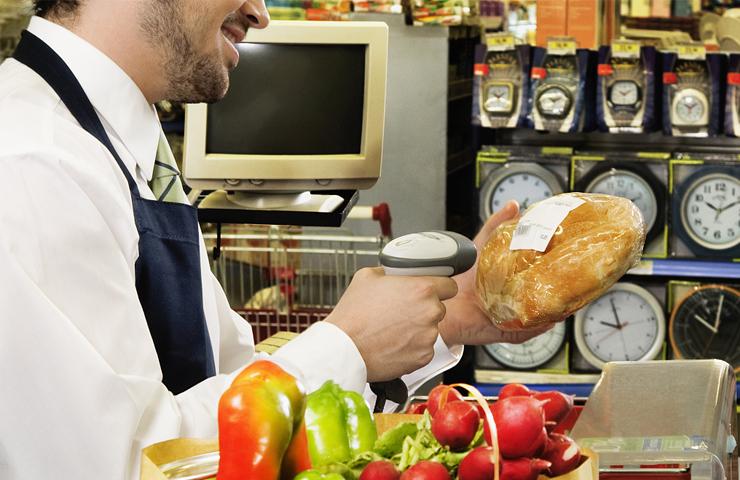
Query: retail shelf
column 673, row 267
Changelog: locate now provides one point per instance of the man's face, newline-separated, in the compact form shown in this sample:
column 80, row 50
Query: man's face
column 196, row 39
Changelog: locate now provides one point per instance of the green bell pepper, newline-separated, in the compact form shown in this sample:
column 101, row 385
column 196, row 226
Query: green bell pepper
column 338, row 425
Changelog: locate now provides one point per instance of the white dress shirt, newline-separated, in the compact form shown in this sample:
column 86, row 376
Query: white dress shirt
column 81, row 390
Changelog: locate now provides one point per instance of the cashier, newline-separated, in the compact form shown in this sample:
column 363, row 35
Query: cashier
column 114, row 333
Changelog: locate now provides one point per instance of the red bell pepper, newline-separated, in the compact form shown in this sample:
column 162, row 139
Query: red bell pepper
column 257, row 418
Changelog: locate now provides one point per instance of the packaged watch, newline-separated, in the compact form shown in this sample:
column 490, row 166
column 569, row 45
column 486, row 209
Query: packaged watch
column 639, row 176
column 626, row 88
column 693, row 91
column 501, row 83
column 732, row 103
column 705, row 207
column 563, row 93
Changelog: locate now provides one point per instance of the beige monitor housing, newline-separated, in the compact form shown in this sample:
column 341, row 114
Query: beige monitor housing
column 249, row 172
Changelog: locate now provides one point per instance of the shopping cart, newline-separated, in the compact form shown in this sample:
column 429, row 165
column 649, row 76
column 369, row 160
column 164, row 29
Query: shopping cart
column 288, row 278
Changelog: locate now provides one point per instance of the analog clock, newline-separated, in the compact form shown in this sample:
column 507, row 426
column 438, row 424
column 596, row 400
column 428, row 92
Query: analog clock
column 525, row 182
column 499, row 97
column 533, row 353
column 707, row 211
column 706, row 324
column 554, row 101
column 635, row 182
column 626, row 323
column 625, row 94
column 690, row 108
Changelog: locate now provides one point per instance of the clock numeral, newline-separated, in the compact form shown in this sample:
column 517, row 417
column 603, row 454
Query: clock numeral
column 697, row 221
column 707, row 189
column 706, row 230
column 699, row 197
column 717, row 234
column 695, row 209
column 511, row 180
column 731, row 233
column 525, row 178
column 721, row 187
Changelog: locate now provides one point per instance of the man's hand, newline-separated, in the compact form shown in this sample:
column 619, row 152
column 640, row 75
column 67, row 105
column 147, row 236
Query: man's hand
column 393, row 320
column 466, row 323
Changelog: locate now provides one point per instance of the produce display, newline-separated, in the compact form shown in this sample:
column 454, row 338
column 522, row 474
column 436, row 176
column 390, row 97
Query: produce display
column 269, row 429
column 560, row 255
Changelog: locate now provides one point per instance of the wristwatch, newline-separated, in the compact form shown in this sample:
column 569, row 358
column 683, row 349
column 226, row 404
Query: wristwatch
column 555, row 96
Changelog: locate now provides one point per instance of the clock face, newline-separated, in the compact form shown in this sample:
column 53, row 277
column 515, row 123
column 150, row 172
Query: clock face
column 499, row 98
column 525, row 182
column 624, row 93
column 627, row 184
column 525, row 188
column 554, row 101
column 690, row 107
column 625, row 324
column 533, row 353
column 706, row 324
column 710, row 211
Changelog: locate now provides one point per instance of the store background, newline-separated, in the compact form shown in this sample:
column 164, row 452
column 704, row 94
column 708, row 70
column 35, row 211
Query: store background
column 435, row 158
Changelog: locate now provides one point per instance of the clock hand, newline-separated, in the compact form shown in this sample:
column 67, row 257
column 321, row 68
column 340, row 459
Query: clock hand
column 705, row 323
column 613, row 325
column 624, row 344
column 616, row 317
column 712, row 206
column 719, row 312
column 610, row 333
column 727, row 207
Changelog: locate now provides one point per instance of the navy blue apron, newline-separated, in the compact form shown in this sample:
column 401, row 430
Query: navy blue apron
column 168, row 276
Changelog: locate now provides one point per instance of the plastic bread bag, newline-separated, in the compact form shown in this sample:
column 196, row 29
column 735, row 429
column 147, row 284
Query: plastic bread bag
column 560, row 255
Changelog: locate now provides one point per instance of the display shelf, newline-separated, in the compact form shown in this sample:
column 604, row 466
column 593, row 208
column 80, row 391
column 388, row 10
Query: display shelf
column 673, row 267
column 639, row 142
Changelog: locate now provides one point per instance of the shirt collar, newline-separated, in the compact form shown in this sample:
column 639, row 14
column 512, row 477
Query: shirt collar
column 115, row 96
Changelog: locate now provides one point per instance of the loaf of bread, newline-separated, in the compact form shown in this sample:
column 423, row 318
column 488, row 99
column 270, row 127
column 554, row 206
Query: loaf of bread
column 591, row 249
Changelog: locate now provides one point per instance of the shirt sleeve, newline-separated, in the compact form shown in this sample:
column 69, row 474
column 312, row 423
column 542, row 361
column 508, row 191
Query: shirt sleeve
column 79, row 370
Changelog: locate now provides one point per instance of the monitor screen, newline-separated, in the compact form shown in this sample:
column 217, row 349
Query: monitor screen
column 291, row 99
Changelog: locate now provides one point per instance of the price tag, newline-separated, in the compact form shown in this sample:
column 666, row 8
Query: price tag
column 480, row 69
column 622, row 49
column 604, row 70
column 538, row 225
column 561, row 46
column 733, row 78
column 500, row 42
column 691, row 52
column 557, row 151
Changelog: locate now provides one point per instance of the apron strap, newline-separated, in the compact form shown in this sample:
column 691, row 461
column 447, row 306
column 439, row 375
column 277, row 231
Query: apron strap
column 39, row 57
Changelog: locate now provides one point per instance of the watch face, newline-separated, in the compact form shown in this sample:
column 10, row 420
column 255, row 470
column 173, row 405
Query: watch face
column 525, row 182
column 554, row 101
column 624, row 93
column 623, row 183
column 710, row 211
column 499, row 98
column 533, row 353
column 690, row 107
column 625, row 324
column 706, row 324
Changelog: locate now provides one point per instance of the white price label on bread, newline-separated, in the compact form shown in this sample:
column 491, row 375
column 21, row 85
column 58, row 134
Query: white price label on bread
column 537, row 226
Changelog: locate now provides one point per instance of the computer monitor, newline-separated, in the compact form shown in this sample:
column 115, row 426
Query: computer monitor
column 304, row 112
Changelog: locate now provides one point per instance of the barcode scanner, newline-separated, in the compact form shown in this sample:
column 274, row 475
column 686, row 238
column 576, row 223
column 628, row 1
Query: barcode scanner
column 433, row 253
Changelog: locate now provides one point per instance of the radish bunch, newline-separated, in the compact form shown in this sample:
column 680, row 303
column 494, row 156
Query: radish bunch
column 524, row 421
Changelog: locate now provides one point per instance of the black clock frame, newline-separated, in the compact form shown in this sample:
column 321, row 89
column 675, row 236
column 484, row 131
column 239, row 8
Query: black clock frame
column 679, row 191
column 642, row 171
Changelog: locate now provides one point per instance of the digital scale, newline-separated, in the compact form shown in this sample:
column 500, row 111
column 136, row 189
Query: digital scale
column 662, row 420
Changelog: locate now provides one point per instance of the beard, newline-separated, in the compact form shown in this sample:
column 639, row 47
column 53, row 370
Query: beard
column 192, row 76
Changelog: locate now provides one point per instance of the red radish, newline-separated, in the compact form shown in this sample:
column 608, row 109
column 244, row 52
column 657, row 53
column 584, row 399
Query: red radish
column 440, row 393
column 523, row 468
column 519, row 421
column 477, row 465
column 380, row 470
column 417, row 408
column 426, row 470
column 455, row 425
column 563, row 453
column 514, row 390
column 557, row 407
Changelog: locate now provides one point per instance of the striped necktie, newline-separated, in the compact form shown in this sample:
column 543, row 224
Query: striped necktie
column 166, row 182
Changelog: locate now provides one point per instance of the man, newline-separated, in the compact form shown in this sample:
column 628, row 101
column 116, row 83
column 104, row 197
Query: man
column 114, row 333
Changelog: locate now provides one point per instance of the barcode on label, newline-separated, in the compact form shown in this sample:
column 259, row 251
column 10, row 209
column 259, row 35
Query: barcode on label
column 523, row 228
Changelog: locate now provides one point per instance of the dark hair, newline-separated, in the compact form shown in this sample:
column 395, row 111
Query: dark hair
column 44, row 8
